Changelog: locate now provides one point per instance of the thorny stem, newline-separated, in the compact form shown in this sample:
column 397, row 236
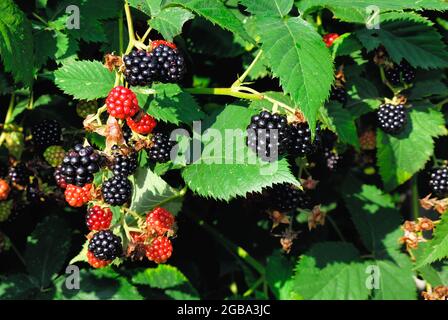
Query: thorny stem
column 414, row 197
column 387, row 83
column 143, row 39
column 130, row 24
column 120, row 32
column 224, row 92
column 257, row 283
column 336, row 228
column 241, row 79
column 441, row 103
column 7, row 117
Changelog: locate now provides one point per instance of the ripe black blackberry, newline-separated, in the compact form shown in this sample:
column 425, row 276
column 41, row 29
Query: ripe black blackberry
column 170, row 64
column 286, row 197
column 79, row 165
column 105, row 245
column 59, row 177
column 392, row 119
column 116, row 190
column 33, row 194
column 127, row 132
column 46, row 133
column 264, row 127
column 124, row 165
column 141, row 68
column 161, row 148
column 19, row 174
column 331, row 159
column 301, row 143
column 339, row 94
column 399, row 73
column 439, row 182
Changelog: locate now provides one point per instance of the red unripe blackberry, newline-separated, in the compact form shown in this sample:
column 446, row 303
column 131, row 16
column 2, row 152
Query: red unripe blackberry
column 122, row 103
column 161, row 148
column 98, row 218
column 79, row 165
column 159, row 221
column 141, row 68
column 330, row 38
column 439, row 182
column 95, row 262
column 4, row 190
column 157, row 43
column 46, row 133
column 300, row 142
column 392, row 119
column 170, row 63
column 141, row 123
column 105, row 245
column 116, row 190
column 160, row 250
column 286, row 197
column 78, row 196
column 268, row 135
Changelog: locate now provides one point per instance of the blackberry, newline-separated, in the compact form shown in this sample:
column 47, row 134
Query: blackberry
column 140, row 68
column 127, row 132
column 59, row 177
column 259, row 135
column 407, row 72
column 331, row 158
column 79, row 165
column 19, row 174
column 287, row 197
column 402, row 72
column 439, row 182
column 339, row 94
column 124, row 165
column 116, row 190
column 392, row 119
column 300, row 140
column 105, row 245
column 170, row 64
column 161, row 148
column 33, row 194
column 46, row 133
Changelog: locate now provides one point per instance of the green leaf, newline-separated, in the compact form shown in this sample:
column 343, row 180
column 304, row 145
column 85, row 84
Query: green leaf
column 344, row 124
column 216, row 12
column 16, row 42
column 278, row 271
column 355, row 11
column 395, row 282
column 169, row 22
column 228, row 169
column 408, row 36
column 298, row 56
column 44, row 256
column 437, row 248
column 151, row 191
column 170, row 104
column 82, row 255
column 397, row 156
column 331, row 271
column 16, row 287
column 100, row 284
column 150, row 7
column 372, row 211
column 268, row 7
column 87, row 80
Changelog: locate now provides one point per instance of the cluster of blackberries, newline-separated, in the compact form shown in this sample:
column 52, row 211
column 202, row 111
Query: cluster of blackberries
column 164, row 63
column 392, row 119
column 46, row 133
column 439, row 182
column 270, row 135
column 161, row 148
column 286, row 197
column 79, row 165
column 400, row 73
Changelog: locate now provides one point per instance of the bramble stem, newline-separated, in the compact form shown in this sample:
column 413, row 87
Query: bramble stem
column 336, row 228
column 241, row 79
column 120, row 32
column 224, row 92
column 127, row 10
column 387, row 83
column 7, row 117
